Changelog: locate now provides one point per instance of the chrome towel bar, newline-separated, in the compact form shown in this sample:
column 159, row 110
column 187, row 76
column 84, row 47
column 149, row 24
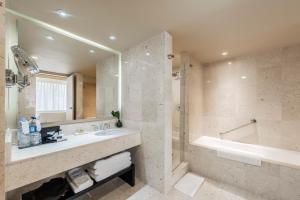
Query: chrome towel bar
column 252, row 121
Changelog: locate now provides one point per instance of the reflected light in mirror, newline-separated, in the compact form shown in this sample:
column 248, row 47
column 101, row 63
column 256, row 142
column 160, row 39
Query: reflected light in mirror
column 225, row 53
column 49, row 37
column 35, row 57
column 62, row 13
column 112, row 37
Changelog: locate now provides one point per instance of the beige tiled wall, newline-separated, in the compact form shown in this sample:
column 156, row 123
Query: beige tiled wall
column 27, row 100
column 52, row 117
column 78, row 96
column 2, row 99
column 147, row 100
column 195, row 99
column 270, row 180
column 107, row 86
column 265, row 86
column 11, row 94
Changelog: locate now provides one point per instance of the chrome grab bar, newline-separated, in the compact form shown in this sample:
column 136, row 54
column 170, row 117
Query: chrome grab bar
column 252, row 121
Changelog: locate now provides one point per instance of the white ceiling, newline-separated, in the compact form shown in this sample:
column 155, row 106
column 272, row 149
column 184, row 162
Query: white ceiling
column 62, row 55
column 204, row 28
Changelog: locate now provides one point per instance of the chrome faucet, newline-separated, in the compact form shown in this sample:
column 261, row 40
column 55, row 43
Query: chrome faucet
column 95, row 127
column 106, row 125
column 101, row 126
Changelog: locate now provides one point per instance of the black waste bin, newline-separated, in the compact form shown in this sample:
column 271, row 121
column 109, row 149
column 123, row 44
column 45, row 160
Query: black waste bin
column 55, row 189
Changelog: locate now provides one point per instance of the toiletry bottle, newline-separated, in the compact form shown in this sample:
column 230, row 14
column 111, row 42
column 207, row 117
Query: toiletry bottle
column 32, row 125
column 35, row 135
column 38, row 124
column 24, row 125
column 23, row 133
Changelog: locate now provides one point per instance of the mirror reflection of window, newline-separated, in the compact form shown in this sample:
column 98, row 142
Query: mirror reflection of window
column 51, row 95
column 51, row 98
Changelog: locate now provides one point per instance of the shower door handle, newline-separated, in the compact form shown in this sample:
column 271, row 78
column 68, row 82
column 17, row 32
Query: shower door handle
column 178, row 108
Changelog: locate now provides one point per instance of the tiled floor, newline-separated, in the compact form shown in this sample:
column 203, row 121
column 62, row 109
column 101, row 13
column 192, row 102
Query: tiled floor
column 210, row 190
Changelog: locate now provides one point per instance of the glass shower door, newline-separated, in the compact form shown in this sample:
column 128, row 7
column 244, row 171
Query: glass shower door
column 178, row 110
column 175, row 118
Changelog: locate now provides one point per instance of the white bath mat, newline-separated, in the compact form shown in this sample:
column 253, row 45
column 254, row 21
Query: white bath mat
column 189, row 184
column 145, row 193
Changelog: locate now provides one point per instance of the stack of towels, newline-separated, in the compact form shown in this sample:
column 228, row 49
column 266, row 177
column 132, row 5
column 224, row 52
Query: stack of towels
column 104, row 168
column 79, row 180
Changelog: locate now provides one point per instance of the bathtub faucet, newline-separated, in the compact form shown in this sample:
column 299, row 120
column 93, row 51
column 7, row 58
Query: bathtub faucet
column 252, row 121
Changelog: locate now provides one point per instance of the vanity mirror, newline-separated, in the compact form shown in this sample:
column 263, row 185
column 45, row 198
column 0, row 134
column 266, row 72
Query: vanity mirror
column 78, row 79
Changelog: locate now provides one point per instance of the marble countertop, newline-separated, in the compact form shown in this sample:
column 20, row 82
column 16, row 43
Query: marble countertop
column 24, row 166
column 73, row 141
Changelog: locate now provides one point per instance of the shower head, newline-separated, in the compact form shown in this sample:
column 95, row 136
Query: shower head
column 176, row 75
column 26, row 65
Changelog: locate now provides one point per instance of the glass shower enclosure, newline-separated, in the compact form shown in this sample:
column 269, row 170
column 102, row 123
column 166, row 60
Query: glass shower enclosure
column 178, row 97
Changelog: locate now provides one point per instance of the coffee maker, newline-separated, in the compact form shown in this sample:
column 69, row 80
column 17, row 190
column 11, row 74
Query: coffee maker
column 52, row 134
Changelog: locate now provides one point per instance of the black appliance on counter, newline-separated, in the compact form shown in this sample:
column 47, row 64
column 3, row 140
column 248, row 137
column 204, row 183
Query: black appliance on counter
column 51, row 134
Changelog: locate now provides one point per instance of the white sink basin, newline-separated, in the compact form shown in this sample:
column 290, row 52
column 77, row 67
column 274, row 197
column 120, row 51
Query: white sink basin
column 109, row 132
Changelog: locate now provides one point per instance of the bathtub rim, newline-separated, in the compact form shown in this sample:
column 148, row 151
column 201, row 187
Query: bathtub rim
column 277, row 156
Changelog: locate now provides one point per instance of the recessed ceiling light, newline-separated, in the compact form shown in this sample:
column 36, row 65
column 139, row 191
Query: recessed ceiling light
column 62, row 13
column 225, row 53
column 92, row 51
column 126, row 62
column 34, row 57
column 229, row 63
column 243, row 77
column 49, row 37
column 116, row 75
column 112, row 37
column 148, row 54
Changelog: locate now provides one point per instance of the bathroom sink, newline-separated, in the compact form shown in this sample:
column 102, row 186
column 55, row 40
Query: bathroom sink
column 108, row 132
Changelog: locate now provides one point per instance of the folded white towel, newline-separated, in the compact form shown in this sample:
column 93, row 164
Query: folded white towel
column 78, row 176
column 100, row 175
column 111, row 161
column 108, row 165
column 80, row 188
column 110, row 169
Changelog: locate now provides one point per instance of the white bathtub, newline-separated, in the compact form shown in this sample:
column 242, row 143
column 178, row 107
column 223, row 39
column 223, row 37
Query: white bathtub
column 250, row 153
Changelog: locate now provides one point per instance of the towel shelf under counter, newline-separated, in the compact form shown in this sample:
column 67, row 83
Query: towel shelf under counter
column 127, row 175
column 37, row 163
